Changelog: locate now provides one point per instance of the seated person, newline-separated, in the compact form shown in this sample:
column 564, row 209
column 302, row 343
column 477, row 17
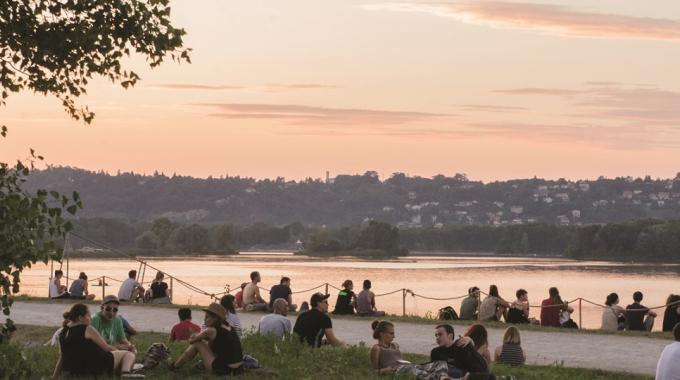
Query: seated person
column 510, row 352
column 461, row 355
column 480, row 338
column 312, row 325
column 57, row 290
column 469, row 308
column 613, row 315
column 276, row 323
column 218, row 345
column 493, row 308
column 160, row 294
column 109, row 326
column 565, row 315
column 79, row 289
column 668, row 367
column 131, row 289
column 282, row 290
column 551, row 308
column 366, row 302
column 519, row 309
column 636, row 313
column 386, row 357
column 227, row 302
column 347, row 301
column 238, row 302
column 185, row 328
column 84, row 352
column 252, row 301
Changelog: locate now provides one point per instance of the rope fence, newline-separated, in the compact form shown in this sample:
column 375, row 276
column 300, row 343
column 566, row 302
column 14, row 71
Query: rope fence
column 102, row 281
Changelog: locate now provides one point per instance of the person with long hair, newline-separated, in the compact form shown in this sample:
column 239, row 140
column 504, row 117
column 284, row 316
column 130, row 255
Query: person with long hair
column 79, row 288
column 160, row 293
column 480, row 337
column 510, row 352
column 83, row 352
column 218, row 345
column 386, row 357
column 613, row 315
column 671, row 315
column 228, row 302
column 493, row 307
column 551, row 308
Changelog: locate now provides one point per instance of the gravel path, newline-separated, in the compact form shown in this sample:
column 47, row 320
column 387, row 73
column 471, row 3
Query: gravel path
column 609, row 352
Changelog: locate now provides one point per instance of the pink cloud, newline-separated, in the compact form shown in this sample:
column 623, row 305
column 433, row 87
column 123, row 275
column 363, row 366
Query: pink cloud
column 489, row 108
column 550, row 18
column 270, row 87
column 538, row 91
column 196, row 86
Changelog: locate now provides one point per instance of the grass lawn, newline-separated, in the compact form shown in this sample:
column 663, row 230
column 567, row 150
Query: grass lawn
column 284, row 359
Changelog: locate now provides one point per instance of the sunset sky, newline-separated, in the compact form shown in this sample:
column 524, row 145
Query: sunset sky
column 494, row 89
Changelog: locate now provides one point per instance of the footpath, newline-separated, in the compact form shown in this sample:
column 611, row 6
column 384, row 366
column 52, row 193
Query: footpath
column 607, row 352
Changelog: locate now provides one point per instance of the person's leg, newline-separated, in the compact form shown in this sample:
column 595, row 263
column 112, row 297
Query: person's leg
column 206, row 354
column 648, row 323
column 187, row 355
column 123, row 360
column 90, row 297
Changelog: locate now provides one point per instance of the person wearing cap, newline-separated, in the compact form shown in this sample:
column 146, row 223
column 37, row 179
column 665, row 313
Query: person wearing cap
column 110, row 326
column 311, row 326
column 469, row 308
column 218, row 345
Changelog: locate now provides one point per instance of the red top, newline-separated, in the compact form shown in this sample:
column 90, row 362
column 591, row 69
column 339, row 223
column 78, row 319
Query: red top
column 239, row 299
column 550, row 316
column 183, row 330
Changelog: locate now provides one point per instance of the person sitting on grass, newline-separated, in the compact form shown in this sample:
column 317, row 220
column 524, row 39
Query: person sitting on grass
column 386, row 357
column 519, row 309
column 218, row 345
column 469, row 308
column 668, row 367
column 238, row 302
column 480, row 338
column 347, row 300
column 461, row 355
column 57, row 290
column 160, row 294
column 366, row 302
column 79, row 288
column 510, row 352
column 110, row 326
column 83, row 352
column 276, row 323
column 551, row 308
column 312, row 325
column 613, row 315
column 252, row 301
column 227, row 302
column 494, row 307
column 671, row 315
column 635, row 315
column 185, row 328
column 282, row 290
column 131, row 289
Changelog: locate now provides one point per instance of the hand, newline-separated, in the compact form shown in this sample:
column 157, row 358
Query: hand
column 464, row 341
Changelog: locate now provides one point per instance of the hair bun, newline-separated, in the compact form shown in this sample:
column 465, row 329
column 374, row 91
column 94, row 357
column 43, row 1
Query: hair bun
column 374, row 324
column 67, row 315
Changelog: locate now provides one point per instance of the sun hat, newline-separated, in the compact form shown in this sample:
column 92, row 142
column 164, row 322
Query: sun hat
column 217, row 310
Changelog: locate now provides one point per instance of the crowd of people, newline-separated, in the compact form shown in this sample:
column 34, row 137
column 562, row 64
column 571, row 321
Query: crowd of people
column 100, row 344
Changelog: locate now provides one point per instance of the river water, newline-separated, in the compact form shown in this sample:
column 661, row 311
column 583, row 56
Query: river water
column 435, row 277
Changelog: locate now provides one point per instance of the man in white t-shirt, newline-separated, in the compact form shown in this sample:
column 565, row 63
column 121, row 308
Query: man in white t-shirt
column 668, row 367
column 130, row 289
column 57, row 290
column 276, row 323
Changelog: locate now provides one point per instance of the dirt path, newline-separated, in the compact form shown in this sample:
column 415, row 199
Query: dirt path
column 609, row 352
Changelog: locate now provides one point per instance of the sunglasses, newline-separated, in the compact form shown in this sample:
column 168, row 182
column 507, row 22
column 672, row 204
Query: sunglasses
column 114, row 309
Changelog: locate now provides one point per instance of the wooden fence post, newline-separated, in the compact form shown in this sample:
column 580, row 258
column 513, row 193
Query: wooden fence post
column 171, row 291
column 326, row 288
column 103, row 287
column 403, row 302
column 580, row 321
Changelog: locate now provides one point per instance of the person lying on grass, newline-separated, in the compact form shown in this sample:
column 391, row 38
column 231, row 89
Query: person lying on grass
column 84, row 352
column 218, row 345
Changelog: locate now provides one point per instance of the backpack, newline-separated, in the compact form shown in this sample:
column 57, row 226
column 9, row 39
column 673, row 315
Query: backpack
column 156, row 353
column 448, row 313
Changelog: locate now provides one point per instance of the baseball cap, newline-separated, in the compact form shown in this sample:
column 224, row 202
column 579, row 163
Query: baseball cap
column 317, row 298
column 110, row 298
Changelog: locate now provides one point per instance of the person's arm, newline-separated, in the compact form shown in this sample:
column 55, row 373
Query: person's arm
column 373, row 301
column 92, row 334
column 497, row 354
column 86, row 290
column 375, row 361
column 502, row 302
column 651, row 313
column 172, row 335
column 524, row 356
column 330, row 336
column 57, row 367
column 207, row 335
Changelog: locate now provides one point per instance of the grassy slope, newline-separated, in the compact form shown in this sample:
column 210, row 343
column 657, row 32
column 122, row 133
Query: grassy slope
column 289, row 360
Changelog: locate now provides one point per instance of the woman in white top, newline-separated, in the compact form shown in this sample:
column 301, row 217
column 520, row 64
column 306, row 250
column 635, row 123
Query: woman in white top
column 613, row 315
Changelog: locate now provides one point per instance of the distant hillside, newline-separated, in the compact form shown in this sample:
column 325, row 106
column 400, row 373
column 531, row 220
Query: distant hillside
column 407, row 202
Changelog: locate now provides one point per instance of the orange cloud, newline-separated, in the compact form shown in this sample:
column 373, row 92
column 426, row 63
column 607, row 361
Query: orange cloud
column 550, row 18
column 538, row 91
column 267, row 87
column 489, row 108
column 196, row 86
column 301, row 115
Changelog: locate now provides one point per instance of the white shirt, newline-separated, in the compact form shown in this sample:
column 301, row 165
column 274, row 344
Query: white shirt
column 54, row 291
column 668, row 367
column 126, row 289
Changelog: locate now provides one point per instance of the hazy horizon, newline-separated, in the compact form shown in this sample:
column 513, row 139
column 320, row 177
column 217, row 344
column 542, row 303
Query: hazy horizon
column 495, row 89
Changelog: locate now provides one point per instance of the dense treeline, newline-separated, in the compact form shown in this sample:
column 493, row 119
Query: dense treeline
column 407, row 202
column 642, row 240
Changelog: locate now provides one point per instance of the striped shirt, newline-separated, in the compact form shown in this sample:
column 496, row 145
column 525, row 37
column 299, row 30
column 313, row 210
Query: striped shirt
column 511, row 354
